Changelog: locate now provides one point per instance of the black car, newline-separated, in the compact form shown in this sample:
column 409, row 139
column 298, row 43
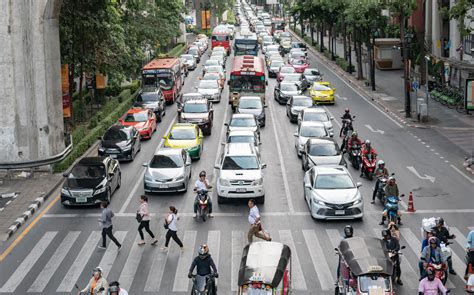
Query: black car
column 285, row 90
column 295, row 104
column 197, row 111
column 91, row 181
column 152, row 98
column 120, row 142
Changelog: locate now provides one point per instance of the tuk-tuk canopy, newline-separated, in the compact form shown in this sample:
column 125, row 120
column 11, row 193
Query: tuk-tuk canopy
column 264, row 262
column 365, row 255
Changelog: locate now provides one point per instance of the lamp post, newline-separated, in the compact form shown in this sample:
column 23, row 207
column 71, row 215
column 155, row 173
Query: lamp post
column 427, row 60
column 406, row 39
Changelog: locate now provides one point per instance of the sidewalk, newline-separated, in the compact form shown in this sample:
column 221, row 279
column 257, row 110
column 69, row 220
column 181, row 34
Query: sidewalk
column 457, row 128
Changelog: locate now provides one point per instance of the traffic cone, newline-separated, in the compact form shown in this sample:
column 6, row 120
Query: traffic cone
column 411, row 204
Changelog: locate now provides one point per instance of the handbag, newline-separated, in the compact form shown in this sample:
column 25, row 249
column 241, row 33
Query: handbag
column 139, row 217
column 166, row 224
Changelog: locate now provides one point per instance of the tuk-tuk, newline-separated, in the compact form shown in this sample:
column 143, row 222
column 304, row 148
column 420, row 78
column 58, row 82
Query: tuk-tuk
column 265, row 269
column 364, row 267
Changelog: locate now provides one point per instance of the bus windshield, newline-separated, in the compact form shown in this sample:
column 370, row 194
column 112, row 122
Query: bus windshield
column 247, row 83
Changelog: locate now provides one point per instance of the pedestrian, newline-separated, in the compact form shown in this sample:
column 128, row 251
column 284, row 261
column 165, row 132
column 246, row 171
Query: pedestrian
column 105, row 221
column 255, row 223
column 143, row 216
column 170, row 225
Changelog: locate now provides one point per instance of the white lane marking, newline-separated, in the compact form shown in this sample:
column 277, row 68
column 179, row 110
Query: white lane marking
column 374, row 130
column 334, row 236
column 130, row 268
column 460, row 238
column 24, row 268
column 282, row 163
column 237, row 247
column 181, row 281
column 417, row 174
column 318, row 259
column 54, row 262
column 142, row 170
column 111, row 253
column 462, row 173
column 155, row 276
column 297, row 275
column 214, row 244
column 79, row 263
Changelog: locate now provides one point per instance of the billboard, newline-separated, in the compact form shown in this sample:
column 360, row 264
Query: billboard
column 206, row 19
column 65, row 91
column 469, row 95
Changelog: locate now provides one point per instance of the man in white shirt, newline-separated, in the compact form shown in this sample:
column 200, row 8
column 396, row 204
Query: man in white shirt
column 202, row 184
column 254, row 220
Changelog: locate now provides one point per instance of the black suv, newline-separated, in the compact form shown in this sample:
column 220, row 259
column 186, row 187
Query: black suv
column 120, row 142
column 152, row 98
column 197, row 111
column 91, row 181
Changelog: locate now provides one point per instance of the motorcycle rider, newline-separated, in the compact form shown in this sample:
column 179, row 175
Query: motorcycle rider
column 391, row 244
column 203, row 264
column 202, row 184
column 391, row 189
column 114, row 289
column 367, row 150
column 348, row 233
column 97, row 284
column 354, row 140
column 431, row 285
column 394, row 231
column 442, row 233
column 346, row 116
column 431, row 253
column 380, row 172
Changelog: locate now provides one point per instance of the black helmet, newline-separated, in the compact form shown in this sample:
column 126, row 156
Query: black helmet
column 440, row 221
column 202, row 173
column 386, row 233
column 114, row 287
column 348, row 231
column 347, row 110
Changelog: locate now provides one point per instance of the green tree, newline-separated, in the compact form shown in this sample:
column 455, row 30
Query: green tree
column 460, row 12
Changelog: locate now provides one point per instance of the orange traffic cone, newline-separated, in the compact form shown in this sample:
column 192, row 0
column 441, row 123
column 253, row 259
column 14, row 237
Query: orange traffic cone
column 411, row 204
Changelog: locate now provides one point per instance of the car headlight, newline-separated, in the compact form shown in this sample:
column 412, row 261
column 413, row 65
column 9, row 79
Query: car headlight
column 126, row 148
column 224, row 182
column 101, row 149
column 181, row 177
column 65, row 191
column 300, row 146
column 318, row 201
column 358, row 201
column 258, row 181
column 259, row 116
column 100, row 190
column 293, row 111
column 149, row 178
column 343, row 162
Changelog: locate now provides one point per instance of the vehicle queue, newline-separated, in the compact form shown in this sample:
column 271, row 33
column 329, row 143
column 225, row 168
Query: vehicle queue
column 330, row 190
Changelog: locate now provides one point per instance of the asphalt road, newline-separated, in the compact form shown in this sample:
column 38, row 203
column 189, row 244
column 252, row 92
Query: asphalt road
column 60, row 249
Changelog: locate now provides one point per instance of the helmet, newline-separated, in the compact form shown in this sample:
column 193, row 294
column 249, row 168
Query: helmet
column 348, row 231
column 386, row 233
column 367, row 142
column 354, row 134
column 114, row 287
column 433, row 240
column 391, row 178
column 97, row 269
column 202, row 173
column 347, row 110
column 203, row 250
column 439, row 221
column 380, row 163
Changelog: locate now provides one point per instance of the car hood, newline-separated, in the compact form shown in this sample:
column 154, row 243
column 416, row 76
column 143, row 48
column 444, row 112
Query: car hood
column 137, row 125
column 311, row 78
column 255, row 112
column 326, row 160
column 298, row 108
column 337, row 196
column 189, row 62
column 233, row 128
column 322, row 93
column 208, row 91
column 194, row 116
column 114, row 143
column 274, row 69
column 149, row 105
column 181, row 143
column 83, row 183
column 162, row 173
column 241, row 174
column 290, row 92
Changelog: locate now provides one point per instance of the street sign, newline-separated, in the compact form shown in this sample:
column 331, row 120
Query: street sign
column 415, row 85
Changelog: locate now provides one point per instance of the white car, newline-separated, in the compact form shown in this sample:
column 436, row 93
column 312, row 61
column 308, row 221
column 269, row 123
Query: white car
column 331, row 193
column 210, row 63
column 240, row 173
column 243, row 136
column 243, row 122
column 307, row 130
column 321, row 152
column 317, row 114
column 189, row 60
column 210, row 89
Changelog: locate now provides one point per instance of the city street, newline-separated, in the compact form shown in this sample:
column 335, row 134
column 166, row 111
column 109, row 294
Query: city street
column 60, row 249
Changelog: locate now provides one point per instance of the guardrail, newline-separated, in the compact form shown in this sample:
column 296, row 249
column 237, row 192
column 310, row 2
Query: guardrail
column 41, row 162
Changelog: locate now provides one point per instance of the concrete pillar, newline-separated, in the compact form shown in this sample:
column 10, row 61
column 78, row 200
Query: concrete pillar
column 454, row 34
column 435, row 29
column 31, row 124
column 428, row 20
column 182, row 28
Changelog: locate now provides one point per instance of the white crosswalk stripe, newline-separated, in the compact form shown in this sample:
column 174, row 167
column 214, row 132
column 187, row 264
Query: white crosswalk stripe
column 54, row 262
column 131, row 265
column 181, row 281
column 81, row 261
column 237, row 246
column 297, row 275
column 20, row 273
column 460, row 238
column 111, row 253
column 155, row 276
column 318, row 258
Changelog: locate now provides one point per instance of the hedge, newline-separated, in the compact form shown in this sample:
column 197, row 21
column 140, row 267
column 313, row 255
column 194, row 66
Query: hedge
column 344, row 64
column 177, row 50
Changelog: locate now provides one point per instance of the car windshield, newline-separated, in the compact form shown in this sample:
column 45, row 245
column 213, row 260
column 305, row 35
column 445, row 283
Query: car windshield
column 166, row 161
column 195, row 108
column 319, row 87
column 289, row 87
column 187, row 57
column 250, row 104
column 291, row 78
column 267, row 38
column 243, row 122
column 182, row 134
column 317, row 117
column 136, row 117
column 241, row 138
column 287, row 70
column 277, row 63
column 321, row 150
column 240, row 163
column 84, row 171
column 298, row 62
column 212, row 62
column 166, row 83
column 311, row 72
column 208, row 84
column 193, row 51
column 214, row 69
column 312, row 131
column 302, row 101
column 374, row 282
column 298, row 45
column 333, row 181
column 147, row 97
column 112, row 134
column 211, row 76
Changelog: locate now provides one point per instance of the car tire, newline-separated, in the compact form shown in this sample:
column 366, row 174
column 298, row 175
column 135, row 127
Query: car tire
column 159, row 118
column 109, row 196
column 221, row 200
column 132, row 155
column 119, row 182
column 261, row 200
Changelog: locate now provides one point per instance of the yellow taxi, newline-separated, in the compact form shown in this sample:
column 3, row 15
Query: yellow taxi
column 186, row 136
column 322, row 92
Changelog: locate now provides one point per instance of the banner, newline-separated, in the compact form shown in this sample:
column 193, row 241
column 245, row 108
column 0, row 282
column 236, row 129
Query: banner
column 65, row 91
column 205, row 19
column 100, row 82
column 469, row 95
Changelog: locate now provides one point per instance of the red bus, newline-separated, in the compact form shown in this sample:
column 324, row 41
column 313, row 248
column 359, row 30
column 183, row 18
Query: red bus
column 277, row 24
column 167, row 74
column 247, row 78
column 221, row 37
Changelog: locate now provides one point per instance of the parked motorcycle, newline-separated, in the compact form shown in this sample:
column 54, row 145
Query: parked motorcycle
column 369, row 162
column 355, row 156
column 204, row 285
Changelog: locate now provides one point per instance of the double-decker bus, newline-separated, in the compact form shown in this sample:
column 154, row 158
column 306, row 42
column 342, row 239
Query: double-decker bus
column 221, row 37
column 167, row 74
column 246, row 43
column 277, row 24
column 247, row 78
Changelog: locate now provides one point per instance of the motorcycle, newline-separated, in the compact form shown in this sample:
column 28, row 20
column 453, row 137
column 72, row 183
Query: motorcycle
column 380, row 194
column 346, row 126
column 346, row 139
column 355, row 156
column 392, row 254
column 440, row 270
column 204, row 285
column 391, row 205
column 203, row 204
column 101, row 291
column 368, row 166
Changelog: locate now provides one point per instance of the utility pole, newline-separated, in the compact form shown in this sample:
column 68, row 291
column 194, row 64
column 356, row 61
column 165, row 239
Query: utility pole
column 406, row 82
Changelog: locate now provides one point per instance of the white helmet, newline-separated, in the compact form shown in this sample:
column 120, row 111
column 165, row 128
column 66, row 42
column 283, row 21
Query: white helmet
column 380, row 162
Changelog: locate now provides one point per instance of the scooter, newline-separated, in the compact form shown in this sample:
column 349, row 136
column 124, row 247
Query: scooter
column 355, row 156
column 391, row 205
column 392, row 255
column 346, row 126
column 368, row 166
column 440, row 270
column 203, row 205
column 380, row 194
column 204, row 285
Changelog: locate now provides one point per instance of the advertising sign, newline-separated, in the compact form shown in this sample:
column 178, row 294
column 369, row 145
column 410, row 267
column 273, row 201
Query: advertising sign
column 206, row 19
column 469, row 95
column 65, row 91
column 269, row 2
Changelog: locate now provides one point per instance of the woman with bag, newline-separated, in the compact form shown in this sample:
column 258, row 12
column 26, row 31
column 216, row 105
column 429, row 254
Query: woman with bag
column 143, row 217
column 170, row 225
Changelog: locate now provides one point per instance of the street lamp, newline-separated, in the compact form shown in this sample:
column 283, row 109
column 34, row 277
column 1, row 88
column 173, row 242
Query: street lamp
column 427, row 60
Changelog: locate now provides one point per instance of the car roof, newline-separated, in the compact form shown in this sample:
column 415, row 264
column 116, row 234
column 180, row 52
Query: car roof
column 322, row 83
column 301, row 96
column 243, row 116
column 193, row 94
column 287, row 83
column 92, row 161
column 293, row 74
column 168, row 151
column 250, row 97
column 239, row 149
column 118, row 127
column 316, row 141
column 341, row 170
column 196, row 101
column 137, row 110
column 312, row 123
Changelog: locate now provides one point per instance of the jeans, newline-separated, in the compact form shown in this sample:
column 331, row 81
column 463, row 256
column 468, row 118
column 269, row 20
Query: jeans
column 172, row 234
column 145, row 224
column 376, row 189
column 107, row 231
column 209, row 204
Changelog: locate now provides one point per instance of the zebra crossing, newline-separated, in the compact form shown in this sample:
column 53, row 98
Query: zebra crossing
column 313, row 260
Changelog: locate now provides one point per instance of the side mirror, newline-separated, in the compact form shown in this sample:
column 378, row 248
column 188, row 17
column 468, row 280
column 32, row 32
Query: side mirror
column 266, row 83
column 359, row 184
column 331, row 118
column 263, row 166
column 188, row 162
column 65, row 174
column 111, row 174
column 334, row 89
column 308, row 186
column 217, row 167
column 295, row 134
column 179, row 110
column 145, row 164
column 402, row 247
column 226, row 124
column 353, row 117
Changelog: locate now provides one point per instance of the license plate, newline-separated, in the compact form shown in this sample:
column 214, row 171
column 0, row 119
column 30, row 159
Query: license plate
column 113, row 156
column 163, row 186
column 81, row 200
column 241, row 190
column 340, row 212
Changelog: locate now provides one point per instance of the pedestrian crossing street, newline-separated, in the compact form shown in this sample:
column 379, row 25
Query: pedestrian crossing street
column 143, row 269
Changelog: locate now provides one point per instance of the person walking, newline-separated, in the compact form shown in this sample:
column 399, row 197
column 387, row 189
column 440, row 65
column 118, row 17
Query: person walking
column 143, row 215
column 170, row 225
column 105, row 221
column 255, row 223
